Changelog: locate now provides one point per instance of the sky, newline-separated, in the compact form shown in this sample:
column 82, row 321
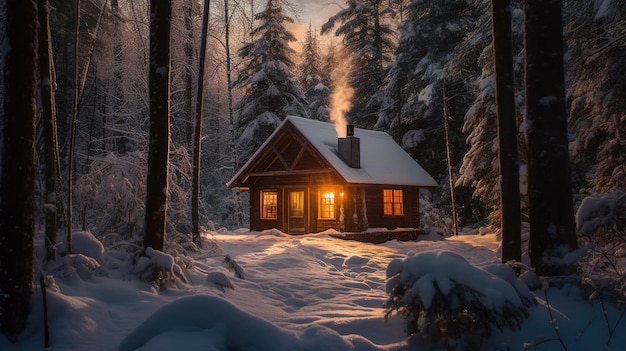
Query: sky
column 315, row 13
column 308, row 293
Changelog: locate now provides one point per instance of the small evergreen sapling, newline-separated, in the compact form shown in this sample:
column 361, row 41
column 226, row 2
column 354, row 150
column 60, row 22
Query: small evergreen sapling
column 443, row 296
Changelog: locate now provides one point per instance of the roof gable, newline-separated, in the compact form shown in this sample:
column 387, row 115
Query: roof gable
column 383, row 161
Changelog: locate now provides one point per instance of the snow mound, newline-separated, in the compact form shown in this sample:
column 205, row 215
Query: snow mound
column 211, row 323
column 219, row 280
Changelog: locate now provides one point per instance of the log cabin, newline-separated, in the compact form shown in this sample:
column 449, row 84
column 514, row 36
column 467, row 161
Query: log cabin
column 307, row 179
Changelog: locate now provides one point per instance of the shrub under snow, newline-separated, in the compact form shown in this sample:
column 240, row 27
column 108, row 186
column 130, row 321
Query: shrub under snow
column 601, row 223
column 442, row 295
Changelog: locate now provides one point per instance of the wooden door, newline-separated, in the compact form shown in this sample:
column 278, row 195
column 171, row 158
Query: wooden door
column 297, row 210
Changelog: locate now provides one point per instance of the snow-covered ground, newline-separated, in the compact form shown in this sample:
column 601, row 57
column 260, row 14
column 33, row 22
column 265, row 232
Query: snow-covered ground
column 311, row 292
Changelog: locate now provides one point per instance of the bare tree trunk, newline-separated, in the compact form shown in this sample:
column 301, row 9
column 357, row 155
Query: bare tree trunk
column 188, row 109
column 551, row 210
column 231, row 119
column 70, row 158
column 197, row 136
column 120, row 140
column 507, row 131
column 446, row 124
column 48, row 118
column 158, row 151
column 17, row 185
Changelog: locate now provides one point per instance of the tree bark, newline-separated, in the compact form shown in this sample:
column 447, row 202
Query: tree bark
column 70, row 158
column 231, row 118
column 551, row 210
column 197, row 135
column 17, row 205
column 158, row 151
column 507, row 131
column 48, row 118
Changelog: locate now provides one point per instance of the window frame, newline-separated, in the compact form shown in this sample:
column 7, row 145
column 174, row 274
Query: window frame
column 393, row 202
column 265, row 208
column 327, row 211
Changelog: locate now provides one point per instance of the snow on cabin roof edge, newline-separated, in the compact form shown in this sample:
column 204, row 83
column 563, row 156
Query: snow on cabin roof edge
column 383, row 161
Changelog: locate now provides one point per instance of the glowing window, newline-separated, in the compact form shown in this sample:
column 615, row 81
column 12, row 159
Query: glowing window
column 327, row 205
column 269, row 204
column 392, row 202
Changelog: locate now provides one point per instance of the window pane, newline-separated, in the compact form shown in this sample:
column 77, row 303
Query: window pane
column 398, row 207
column 269, row 202
column 327, row 204
column 387, row 202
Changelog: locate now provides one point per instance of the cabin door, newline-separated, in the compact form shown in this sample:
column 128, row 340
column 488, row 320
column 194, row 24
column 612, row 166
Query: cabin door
column 296, row 212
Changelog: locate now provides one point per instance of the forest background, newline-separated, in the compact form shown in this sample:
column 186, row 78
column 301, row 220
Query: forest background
column 418, row 52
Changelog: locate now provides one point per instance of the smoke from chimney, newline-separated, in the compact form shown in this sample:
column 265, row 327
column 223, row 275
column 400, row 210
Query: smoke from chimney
column 340, row 97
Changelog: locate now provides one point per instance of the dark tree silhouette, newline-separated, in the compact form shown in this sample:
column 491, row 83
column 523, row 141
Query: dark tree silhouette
column 158, row 151
column 551, row 209
column 197, row 133
column 507, row 131
column 17, row 205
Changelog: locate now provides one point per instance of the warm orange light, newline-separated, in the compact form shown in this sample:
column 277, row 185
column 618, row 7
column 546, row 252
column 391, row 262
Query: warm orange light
column 341, row 194
column 329, row 195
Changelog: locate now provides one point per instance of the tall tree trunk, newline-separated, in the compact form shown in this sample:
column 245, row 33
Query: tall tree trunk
column 17, row 185
column 120, row 140
column 551, row 210
column 231, row 119
column 197, row 136
column 48, row 119
column 188, row 103
column 507, row 131
column 158, row 151
column 70, row 158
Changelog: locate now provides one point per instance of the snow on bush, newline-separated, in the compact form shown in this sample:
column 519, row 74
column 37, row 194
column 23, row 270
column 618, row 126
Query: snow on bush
column 219, row 280
column 75, row 266
column 443, row 296
column 87, row 244
column 159, row 268
column 86, row 260
column 601, row 224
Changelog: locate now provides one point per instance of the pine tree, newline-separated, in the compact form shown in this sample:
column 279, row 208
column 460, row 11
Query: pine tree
column 312, row 80
column 271, row 92
column 596, row 92
column 412, row 99
column 479, row 168
column 369, row 41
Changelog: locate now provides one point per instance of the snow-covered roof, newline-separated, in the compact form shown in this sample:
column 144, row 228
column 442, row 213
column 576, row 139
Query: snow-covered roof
column 383, row 161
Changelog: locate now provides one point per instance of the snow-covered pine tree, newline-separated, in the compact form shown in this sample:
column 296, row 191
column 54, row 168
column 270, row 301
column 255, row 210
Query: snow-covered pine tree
column 480, row 164
column 271, row 93
column 312, row 79
column 596, row 92
column 412, row 101
column 369, row 41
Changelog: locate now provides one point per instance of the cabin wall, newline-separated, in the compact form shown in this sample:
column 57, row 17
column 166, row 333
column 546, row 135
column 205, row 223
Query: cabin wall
column 375, row 211
column 360, row 208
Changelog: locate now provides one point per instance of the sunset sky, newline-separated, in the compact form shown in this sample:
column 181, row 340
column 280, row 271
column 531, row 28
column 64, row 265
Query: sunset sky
column 316, row 13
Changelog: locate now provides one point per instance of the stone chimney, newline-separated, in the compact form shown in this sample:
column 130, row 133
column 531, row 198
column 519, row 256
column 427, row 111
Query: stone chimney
column 350, row 148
